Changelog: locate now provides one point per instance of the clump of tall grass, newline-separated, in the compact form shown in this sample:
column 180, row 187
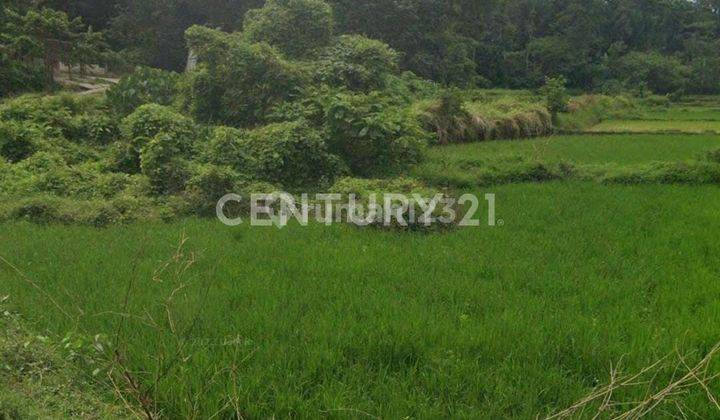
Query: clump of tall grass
column 454, row 121
column 469, row 173
column 586, row 111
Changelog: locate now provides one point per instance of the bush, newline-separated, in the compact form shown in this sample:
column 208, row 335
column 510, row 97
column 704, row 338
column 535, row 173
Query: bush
column 144, row 124
column 291, row 154
column 236, row 83
column 17, row 77
column 164, row 161
column 373, row 136
column 555, row 93
column 358, row 63
column 143, row 86
column 295, row 27
column 99, row 129
column 18, row 140
column 690, row 173
column 207, row 185
column 59, row 115
column 661, row 74
column 152, row 119
column 227, row 147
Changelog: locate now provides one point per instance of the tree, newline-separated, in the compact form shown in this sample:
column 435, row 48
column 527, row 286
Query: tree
column 51, row 36
column 295, row 27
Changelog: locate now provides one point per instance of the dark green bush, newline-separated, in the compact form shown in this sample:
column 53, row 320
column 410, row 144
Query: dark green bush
column 357, row 62
column 99, row 129
column 236, row 82
column 17, row 77
column 207, row 185
column 152, row 119
column 295, row 27
column 143, row 86
column 291, row 154
column 555, row 93
column 144, row 124
column 164, row 161
column 227, row 146
column 18, row 140
column 373, row 136
column 660, row 73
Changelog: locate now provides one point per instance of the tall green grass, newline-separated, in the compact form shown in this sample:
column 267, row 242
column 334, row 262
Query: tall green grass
column 513, row 321
column 657, row 126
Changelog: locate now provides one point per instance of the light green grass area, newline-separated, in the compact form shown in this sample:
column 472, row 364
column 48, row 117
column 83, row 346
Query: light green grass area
column 682, row 113
column 649, row 126
column 38, row 379
column 588, row 149
column 519, row 320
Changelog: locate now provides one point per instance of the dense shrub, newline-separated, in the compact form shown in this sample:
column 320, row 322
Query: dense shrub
column 296, row 27
column 48, row 109
column 372, row 135
column 660, row 73
column 236, row 82
column 164, row 161
column 144, row 124
column 227, row 146
column 555, row 93
column 143, row 86
column 207, row 185
column 152, row 119
column 96, row 129
column 18, row 140
column 291, row 154
column 357, row 62
column 17, row 77
column 99, row 213
column 59, row 115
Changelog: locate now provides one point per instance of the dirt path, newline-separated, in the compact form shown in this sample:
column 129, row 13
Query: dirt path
column 87, row 85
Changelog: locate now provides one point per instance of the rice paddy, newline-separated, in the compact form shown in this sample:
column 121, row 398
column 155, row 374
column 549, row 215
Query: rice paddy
column 580, row 283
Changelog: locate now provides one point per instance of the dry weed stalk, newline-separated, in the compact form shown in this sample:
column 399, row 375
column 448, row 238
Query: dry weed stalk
column 696, row 376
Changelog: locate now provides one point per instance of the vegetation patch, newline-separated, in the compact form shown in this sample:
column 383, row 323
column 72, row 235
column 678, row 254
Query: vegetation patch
column 39, row 379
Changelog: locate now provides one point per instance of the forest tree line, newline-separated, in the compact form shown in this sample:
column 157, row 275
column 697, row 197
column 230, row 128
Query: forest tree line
column 665, row 46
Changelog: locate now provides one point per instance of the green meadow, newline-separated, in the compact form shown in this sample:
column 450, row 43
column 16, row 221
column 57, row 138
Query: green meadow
column 644, row 126
column 580, row 282
column 518, row 320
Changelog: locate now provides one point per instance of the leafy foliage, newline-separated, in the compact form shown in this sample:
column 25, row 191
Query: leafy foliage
column 291, row 154
column 145, row 85
column 372, row 135
column 357, row 62
column 295, row 27
column 555, row 93
column 237, row 83
column 164, row 161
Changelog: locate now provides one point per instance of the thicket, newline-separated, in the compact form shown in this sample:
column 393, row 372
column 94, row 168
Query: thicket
column 260, row 110
column 594, row 44
column 33, row 42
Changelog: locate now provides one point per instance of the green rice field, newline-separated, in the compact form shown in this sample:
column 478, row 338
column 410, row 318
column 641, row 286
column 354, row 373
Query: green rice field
column 579, row 284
